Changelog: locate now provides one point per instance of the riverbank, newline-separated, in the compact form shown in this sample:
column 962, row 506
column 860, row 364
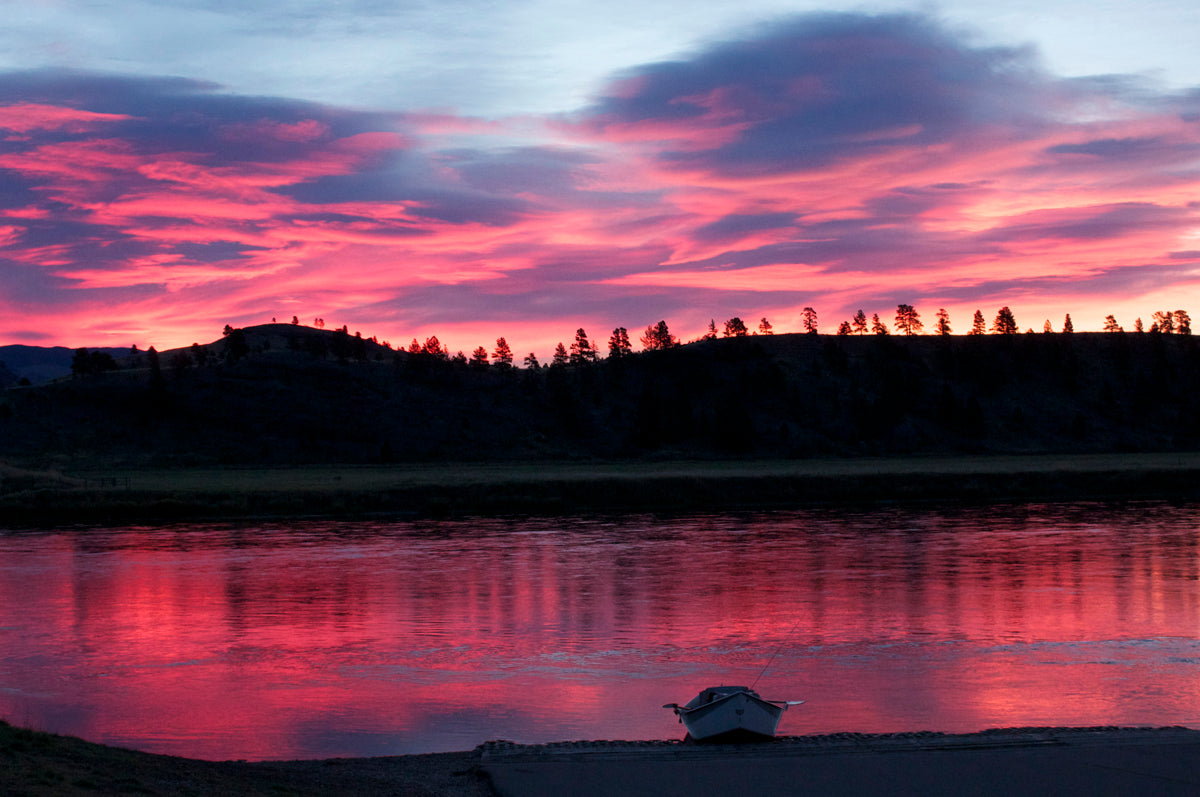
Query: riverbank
column 547, row 488
column 1067, row 761
column 36, row 764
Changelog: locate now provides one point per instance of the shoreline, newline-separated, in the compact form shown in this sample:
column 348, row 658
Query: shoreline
column 1062, row 759
column 555, row 488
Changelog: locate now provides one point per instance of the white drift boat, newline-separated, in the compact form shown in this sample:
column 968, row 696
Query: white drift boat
column 730, row 712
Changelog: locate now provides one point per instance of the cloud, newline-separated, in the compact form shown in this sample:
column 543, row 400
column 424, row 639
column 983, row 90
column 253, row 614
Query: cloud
column 818, row 91
column 830, row 160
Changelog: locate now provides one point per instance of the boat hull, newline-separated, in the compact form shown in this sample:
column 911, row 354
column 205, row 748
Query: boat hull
column 730, row 716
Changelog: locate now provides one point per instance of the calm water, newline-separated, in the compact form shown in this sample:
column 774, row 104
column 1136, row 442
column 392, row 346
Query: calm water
column 344, row 639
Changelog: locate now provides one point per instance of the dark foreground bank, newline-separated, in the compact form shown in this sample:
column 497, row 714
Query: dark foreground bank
column 1030, row 761
column 41, row 764
column 1064, row 761
column 547, row 488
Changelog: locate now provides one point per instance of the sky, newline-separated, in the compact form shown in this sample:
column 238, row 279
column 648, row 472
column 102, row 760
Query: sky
column 472, row 169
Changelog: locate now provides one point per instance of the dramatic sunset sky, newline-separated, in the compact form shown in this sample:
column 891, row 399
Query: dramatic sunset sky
column 474, row 169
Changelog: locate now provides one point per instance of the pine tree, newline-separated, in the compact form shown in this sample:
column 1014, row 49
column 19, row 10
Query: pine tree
column 735, row 328
column 908, row 320
column 658, row 337
column 581, row 350
column 943, row 322
column 859, row 323
column 1005, row 323
column 809, row 320
column 503, row 354
column 1068, row 327
column 877, row 326
column 1111, row 325
column 618, row 343
column 764, row 327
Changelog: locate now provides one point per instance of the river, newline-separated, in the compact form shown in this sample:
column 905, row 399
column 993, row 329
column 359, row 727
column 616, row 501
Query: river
column 317, row 639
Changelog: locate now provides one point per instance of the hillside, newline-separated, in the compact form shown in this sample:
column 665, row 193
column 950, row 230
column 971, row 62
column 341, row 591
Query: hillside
column 39, row 364
column 295, row 395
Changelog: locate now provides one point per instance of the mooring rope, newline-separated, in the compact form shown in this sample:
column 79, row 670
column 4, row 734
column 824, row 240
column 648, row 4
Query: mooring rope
column 778, row 648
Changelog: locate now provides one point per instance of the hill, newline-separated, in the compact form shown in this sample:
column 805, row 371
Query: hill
column 281, row 395
column 39, row 364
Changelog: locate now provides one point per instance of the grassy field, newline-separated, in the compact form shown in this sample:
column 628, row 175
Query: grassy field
column 574, row 487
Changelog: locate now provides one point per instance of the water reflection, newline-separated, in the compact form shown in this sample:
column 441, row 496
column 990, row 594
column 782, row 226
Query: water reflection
column 323, row 639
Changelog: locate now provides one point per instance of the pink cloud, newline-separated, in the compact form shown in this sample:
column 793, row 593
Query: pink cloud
column 768, row 173
column 27, row 117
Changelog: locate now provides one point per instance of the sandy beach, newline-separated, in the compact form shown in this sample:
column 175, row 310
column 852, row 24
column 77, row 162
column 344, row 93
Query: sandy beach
column 1062, row 761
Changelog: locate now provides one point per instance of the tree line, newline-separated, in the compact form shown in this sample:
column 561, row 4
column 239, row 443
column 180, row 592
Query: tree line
column 656, row 337
column 907, row 321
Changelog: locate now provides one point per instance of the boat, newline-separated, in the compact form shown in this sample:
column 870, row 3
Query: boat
column 730, row 713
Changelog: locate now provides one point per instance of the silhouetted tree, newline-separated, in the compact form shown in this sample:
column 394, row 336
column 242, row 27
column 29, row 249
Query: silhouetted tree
column 618, row 344
column 414, row 347
column 236, row 346
column 87, row 363
column 1068, row 327
column 1005, row 323
column 1111, row 325
column 735, row 328
column 1164, row 323
column 765, row 328
column 503, row 354
column 227, row 331
column 844, row 328
column 531, row 362
column 295, row 321
column 908, row 320
column 1137, row 325
column 1047, row 327
column 978, row 325
column 479, row 357
column 877, row 326
column 943, row 322
column 156, row 377
column 808, row 319
column 859, row 323
column 1183, row 322
column 657, row 337
column 581, row 349
column 560, row 355
column 319, row 323
column 434, row 346
column 711, row 332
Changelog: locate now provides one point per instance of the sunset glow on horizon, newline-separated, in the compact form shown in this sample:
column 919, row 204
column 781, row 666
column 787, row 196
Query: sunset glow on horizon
column 835, row 161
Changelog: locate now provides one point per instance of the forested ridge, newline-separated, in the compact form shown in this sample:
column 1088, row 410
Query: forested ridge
column 283, row 394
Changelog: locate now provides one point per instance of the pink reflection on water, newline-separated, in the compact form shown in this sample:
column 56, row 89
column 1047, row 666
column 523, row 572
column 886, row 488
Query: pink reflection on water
column 326, row 639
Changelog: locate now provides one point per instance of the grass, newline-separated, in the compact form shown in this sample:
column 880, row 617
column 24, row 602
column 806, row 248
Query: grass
column 575, row 487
